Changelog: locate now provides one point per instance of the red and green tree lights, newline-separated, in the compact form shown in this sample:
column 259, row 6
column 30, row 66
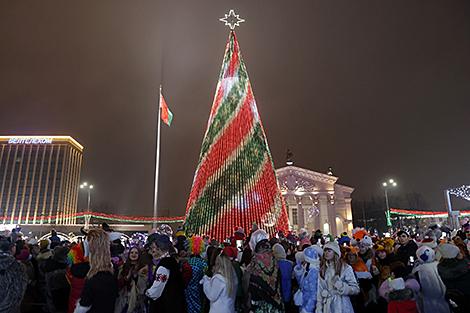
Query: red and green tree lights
column 235, row 184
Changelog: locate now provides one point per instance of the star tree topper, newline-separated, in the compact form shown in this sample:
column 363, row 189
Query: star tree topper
column 232, row 20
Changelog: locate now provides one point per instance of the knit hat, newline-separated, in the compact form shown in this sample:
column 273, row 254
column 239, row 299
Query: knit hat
column 333, row 245
column 425, row 254
column 180, row 232
column 256, row 237
column 397, row 284
column 32, row 242
column 44, row 244
column 279, row 251
column 239, row 233
column 5, row 244
column 60, row 254
column 449, row 251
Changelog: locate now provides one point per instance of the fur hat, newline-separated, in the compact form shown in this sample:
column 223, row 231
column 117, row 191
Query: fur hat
column 366, row 241
column 299, row 257
column 311, row 254
column 256, row 237
column 448, row 251
column 425, row 254
column 318, row 248
column 279, row 251
column 357, row 235
column 333, row 245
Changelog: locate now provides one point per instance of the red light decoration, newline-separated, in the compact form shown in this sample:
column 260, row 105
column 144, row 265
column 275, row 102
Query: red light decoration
column 104, row 216
column 417, row 213
column 235, row 182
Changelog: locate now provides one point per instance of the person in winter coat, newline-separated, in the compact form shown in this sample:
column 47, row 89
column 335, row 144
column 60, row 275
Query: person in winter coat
column 455, row 274
column 336, row 282
column 261, row 280
column 307, row 278
column 401, row 298
column 57, row 286
column 285, row 266
column 405, row 250
column 432, row 296
column 100, row 291
column 221, row 289
column 232, row 253
column 131, row 285
column 197, row 267
column 361, row 302
column 13, row 279
column 167, row 291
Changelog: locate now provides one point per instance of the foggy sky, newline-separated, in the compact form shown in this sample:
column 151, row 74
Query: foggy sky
column 374, row 89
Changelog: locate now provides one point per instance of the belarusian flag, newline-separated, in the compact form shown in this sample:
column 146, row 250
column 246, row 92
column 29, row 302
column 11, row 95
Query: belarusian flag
column 166, row 114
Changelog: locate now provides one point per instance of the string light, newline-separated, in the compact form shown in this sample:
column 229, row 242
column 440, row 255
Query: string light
column 424, row 214
column 235, row 182
column 104, row 216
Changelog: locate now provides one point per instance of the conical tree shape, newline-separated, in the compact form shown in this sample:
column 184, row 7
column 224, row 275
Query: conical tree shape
column 235, row 183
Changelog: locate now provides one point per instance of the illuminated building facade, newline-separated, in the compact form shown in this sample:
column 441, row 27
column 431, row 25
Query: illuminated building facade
column 39, row 179
column 315, row 200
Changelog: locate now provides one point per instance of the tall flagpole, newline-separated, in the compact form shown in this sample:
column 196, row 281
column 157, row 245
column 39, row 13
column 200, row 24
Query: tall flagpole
column 157, row 159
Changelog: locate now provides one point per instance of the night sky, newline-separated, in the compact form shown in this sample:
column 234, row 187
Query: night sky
column 374, row 89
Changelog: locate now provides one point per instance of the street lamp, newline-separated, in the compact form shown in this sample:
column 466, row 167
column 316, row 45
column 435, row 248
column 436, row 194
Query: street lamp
column 386, row 185
column 88, row 188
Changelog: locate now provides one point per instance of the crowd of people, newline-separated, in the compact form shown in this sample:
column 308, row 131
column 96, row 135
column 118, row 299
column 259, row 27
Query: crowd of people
column 254, row 272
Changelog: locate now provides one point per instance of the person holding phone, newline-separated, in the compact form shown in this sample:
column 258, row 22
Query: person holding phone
column 405, row 249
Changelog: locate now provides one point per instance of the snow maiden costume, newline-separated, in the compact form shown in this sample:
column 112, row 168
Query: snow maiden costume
column 432, row 296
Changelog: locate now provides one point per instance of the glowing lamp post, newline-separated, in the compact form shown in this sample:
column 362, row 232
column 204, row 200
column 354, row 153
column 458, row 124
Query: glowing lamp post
column 88, row 188
column 386, row 185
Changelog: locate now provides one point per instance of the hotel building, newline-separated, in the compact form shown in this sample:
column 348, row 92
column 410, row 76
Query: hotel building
column 39, row 179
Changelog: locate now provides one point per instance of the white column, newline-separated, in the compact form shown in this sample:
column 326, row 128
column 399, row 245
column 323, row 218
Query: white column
column 323, row 217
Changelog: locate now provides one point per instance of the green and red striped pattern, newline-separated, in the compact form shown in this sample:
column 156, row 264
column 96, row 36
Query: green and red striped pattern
column 235, row 182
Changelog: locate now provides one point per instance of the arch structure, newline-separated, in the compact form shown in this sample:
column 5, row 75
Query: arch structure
column 315, row 200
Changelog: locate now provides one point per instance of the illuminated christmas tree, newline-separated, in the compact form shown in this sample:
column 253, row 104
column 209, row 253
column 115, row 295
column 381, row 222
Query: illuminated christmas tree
column 235, row 183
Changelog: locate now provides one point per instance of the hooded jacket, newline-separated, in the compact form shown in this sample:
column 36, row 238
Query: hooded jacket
column 13, row 282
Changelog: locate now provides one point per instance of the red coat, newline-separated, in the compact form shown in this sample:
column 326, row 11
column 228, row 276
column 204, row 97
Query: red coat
column 402, row 306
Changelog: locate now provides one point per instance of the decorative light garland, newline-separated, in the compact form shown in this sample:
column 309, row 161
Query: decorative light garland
column 104, row 216
column 235, row 183
column 423, row 214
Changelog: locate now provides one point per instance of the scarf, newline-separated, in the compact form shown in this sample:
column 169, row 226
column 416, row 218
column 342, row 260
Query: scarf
column 264, row 278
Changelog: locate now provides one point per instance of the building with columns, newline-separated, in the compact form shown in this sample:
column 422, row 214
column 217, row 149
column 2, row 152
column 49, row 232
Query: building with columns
column 315, row 201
